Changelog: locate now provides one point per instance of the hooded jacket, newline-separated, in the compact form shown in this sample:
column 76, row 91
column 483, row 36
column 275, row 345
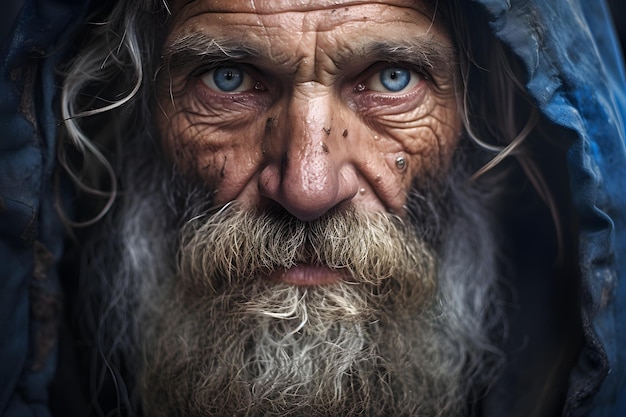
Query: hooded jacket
column 576, row 77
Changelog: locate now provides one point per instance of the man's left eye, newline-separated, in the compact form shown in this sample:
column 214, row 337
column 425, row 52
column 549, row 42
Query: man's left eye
column 392, row 80
column 228, row 79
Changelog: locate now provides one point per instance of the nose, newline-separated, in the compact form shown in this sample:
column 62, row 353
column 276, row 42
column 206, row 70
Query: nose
column 308, row 170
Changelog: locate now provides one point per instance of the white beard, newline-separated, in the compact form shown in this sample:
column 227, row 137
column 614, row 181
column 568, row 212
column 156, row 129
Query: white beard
column 413, row 344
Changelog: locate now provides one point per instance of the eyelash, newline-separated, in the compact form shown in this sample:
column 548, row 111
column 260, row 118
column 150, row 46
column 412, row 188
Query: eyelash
column 418, row 69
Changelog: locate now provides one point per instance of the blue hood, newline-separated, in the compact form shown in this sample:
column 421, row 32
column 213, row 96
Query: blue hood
column 575, row 74
column 31, row 235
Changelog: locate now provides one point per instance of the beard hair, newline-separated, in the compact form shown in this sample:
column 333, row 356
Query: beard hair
column 240, row 345
column 406, row 333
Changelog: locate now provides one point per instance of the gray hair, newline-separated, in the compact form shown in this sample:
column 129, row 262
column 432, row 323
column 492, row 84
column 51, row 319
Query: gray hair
column 111, row 75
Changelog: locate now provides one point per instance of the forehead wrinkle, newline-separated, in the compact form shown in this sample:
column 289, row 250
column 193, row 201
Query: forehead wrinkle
column 261, row 7
column 275, row 33
column 423, row 50
column 197, row 8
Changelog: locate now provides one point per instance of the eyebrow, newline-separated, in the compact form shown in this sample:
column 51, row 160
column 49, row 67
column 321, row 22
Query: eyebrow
column 200, row 48
column 422, row 51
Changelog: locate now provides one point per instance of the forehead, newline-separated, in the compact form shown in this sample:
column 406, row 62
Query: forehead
column 273, row 6
column 288, row 18
column 309, row 37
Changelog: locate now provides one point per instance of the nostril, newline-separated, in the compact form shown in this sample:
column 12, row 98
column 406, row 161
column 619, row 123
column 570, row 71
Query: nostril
column 269, row 181
column 284, row 162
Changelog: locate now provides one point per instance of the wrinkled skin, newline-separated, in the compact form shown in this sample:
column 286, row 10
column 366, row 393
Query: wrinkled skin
column 312, row 125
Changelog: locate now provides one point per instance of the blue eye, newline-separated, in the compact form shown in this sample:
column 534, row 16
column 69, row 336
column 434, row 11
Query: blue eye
column 228, row 79
column 395, row 79
column 392, row 80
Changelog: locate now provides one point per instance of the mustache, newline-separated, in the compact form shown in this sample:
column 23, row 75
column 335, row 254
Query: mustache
column 234, row 246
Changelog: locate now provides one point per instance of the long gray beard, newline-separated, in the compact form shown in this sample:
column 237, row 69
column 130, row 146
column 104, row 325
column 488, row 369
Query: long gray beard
column 405, row 333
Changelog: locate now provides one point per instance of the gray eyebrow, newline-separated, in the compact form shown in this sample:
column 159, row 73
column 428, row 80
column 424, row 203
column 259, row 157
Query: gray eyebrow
column 201, row 48
column 421, row 52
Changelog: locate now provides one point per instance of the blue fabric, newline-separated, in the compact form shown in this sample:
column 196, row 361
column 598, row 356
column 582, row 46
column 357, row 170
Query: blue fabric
column 576, row 75
column 31, row 235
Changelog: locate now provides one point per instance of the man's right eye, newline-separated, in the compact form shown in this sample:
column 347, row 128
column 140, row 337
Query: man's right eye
column 228, row 79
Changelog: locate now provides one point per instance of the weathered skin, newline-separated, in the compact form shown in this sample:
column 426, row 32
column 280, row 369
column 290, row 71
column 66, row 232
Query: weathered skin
column 307, row 128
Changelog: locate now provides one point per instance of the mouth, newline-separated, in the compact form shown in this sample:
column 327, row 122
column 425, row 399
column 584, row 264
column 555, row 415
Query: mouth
column 306, row 275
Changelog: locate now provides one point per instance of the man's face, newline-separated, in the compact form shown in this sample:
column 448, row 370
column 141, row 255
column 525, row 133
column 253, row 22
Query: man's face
column 306, row 281
column 309, row 104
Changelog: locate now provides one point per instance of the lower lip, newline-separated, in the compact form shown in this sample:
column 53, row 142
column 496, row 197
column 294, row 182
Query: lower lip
column 306, row 275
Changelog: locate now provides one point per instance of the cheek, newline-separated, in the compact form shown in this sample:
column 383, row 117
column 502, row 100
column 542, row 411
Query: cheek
column 394, row 148
column 430, row 145
column 216, row 148
column 425, row 136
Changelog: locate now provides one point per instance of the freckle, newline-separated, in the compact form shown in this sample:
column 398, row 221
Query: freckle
column 324, row 147
column 344, row 133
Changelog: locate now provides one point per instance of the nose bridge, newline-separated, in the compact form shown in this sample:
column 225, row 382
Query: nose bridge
column 309, row 121
column 306, row 178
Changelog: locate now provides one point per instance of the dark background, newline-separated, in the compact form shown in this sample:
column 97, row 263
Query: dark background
column 618, row 9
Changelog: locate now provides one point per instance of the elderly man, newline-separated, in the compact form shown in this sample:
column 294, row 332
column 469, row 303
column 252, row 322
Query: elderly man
column 321, row 208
